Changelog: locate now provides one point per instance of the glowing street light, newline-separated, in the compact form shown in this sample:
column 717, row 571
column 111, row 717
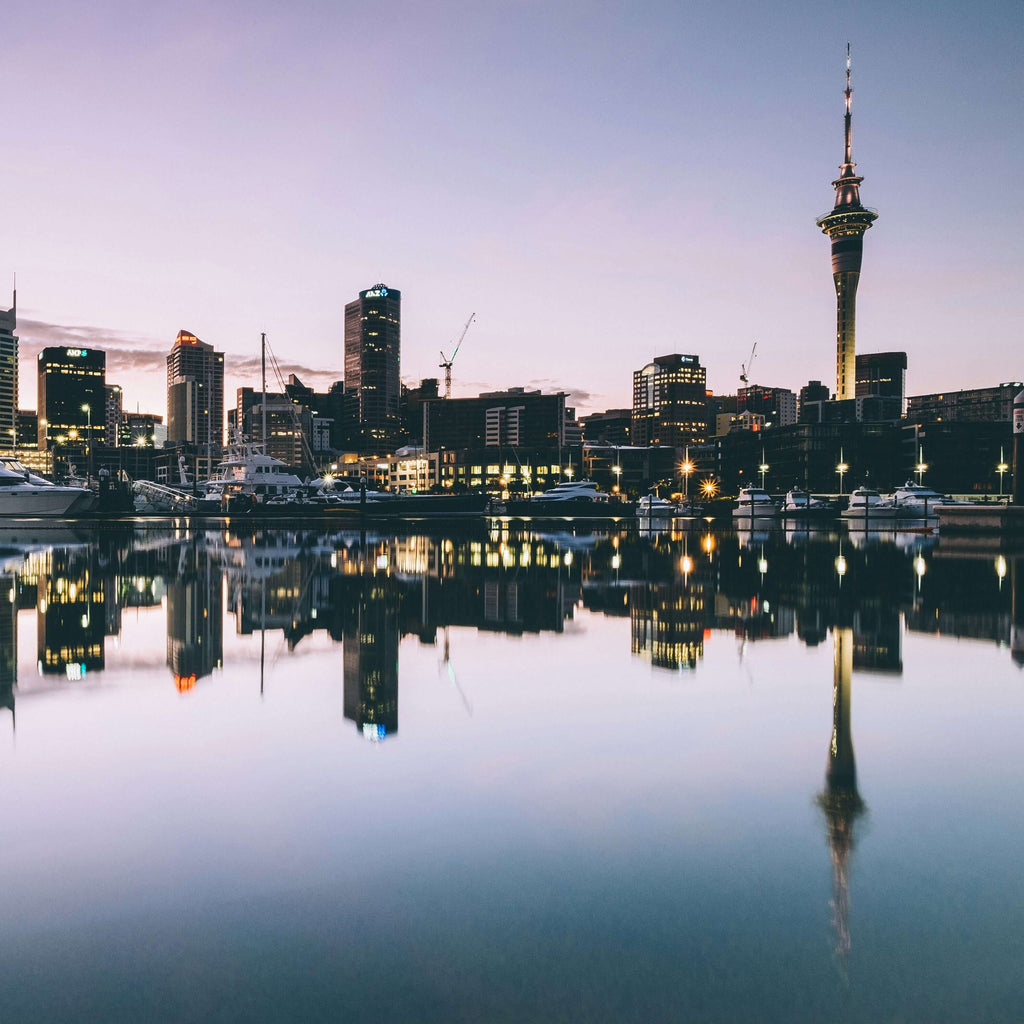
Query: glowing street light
column 709, row 488
column 617, row 470
column 687, row 469
column 841, row 469
column 1001, row 469
column 87, row 409
column 762, row 469
column 921, row 466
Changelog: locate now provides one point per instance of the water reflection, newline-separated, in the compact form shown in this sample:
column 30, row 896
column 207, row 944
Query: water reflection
column 366, row 592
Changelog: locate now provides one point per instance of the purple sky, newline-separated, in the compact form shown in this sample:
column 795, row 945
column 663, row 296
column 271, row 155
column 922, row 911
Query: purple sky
column 600, row 183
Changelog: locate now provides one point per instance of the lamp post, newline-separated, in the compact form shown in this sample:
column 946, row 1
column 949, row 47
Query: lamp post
column 762, row 469
column 1001, row 470
column 921, row 466
column 687, row 468
column 841, row 469
column 87, row 409
column 617, row 470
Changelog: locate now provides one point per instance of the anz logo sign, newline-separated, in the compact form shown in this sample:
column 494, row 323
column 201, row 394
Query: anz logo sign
column 378, row 291
column 76, row 353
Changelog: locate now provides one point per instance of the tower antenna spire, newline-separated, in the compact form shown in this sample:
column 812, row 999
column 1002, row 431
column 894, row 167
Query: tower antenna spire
column 849, row 116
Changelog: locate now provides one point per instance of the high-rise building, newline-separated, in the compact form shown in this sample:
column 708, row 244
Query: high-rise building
column 373, row 332
column 9, row 377
column 776, row 405
column 845, row 225
column 670, row 402
column 195, row 393
column 72, row 396
column 115, row 413
column 882, row 373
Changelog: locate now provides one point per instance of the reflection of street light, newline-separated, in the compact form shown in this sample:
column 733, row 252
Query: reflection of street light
column 1001, row 570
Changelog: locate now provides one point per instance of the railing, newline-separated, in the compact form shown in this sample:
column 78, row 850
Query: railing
column 161, row 496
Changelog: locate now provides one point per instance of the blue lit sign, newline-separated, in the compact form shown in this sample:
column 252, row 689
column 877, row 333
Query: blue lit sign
column 76, row 353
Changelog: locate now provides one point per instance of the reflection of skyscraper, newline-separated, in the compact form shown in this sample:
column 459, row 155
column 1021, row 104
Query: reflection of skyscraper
column 8, row 639
column 195, row 625
column 667, row 623
column 840, row 800
column 371, row 659
column 71, row 612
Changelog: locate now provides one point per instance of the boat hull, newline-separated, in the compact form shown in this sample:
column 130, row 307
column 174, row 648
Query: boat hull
column 49, row 502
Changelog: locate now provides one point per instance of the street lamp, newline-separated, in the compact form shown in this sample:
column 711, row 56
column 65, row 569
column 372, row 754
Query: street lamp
column 87, row 409
column 617, row 470
column 687, row 468
column 921, row 466
column 763, row 468
column 841, row 469
column 1001, row 469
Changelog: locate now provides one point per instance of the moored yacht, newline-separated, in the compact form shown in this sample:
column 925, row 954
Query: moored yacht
column 755, row 503
column 915, row 501
column 799, row 504
column 24, row 493
column 571, row 490
column 867, row 504
column 650, row 506
column 248, row 476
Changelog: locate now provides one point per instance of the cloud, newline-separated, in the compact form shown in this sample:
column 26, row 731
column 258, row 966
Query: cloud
column 129, row 356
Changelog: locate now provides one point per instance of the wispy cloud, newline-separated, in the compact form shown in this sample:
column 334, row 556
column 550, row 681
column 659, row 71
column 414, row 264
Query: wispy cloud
column 129, row 356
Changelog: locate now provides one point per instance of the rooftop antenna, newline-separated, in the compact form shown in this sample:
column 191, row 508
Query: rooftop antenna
column 849, row 118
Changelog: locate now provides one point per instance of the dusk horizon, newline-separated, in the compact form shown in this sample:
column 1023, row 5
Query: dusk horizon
column 599, row 187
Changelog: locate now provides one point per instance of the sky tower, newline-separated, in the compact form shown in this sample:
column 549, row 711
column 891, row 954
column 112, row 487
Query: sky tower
column 845, row 225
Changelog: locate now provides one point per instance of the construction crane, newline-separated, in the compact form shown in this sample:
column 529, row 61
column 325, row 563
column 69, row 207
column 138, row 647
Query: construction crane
column 446, row 362
column 746, row 367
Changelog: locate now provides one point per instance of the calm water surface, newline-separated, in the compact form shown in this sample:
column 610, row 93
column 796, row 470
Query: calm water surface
column 509, row 776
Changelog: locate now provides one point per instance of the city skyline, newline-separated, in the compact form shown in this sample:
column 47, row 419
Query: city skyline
column 596, row 186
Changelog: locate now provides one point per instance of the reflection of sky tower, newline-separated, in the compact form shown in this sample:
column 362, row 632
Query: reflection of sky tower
column 840, row 800
column 846, row 225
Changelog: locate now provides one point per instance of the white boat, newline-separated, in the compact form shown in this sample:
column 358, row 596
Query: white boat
column 26, row 494
column 650, row 506
column 247, row 475
column 915, row 501
column 571, row 490
column 799, row 504
column 755, row 503
column 867, row 504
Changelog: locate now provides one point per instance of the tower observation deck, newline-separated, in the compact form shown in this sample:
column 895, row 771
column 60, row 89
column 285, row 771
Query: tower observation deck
column 845, row 225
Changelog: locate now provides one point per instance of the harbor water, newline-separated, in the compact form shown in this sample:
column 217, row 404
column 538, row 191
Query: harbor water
column 507, row 773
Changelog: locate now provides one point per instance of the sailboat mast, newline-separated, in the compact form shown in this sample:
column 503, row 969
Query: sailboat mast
column 263, row 401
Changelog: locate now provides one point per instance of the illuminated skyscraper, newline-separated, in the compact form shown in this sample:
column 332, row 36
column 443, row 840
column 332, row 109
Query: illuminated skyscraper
column 72, row 395
column 195, row 393
column 373, row 343
column 845, row 226
column 8, row 377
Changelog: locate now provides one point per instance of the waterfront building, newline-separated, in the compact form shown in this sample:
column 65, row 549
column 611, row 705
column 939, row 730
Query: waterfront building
column 142, row 429
column 195, row 394
column 9, row 377
column 72, row 397
column 977, row 405
column 670, row 402
column 845, row 225
column 882, row 374
column 612, row 427
column 515, row 418
column 373, row 339
column 812, row 392
column 114, row 413
column 776, row 405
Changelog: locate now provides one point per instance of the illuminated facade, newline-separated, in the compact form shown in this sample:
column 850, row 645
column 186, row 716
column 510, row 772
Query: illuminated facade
column 72, row 396
column 9, row 377
column 845, row 225
column 373, row 343
column 670, row 402
column 195, row 393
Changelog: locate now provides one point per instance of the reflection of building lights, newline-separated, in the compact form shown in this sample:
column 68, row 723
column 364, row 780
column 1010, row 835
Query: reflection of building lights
column 919, row 566
column 183, row 684
column 615, row 561
column 708, row 543
column 1001, row 568
column 382, row 561
column 568, row 558
column 686, row 564
column 762, row 565
column 374, row 733
column 841, row 565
